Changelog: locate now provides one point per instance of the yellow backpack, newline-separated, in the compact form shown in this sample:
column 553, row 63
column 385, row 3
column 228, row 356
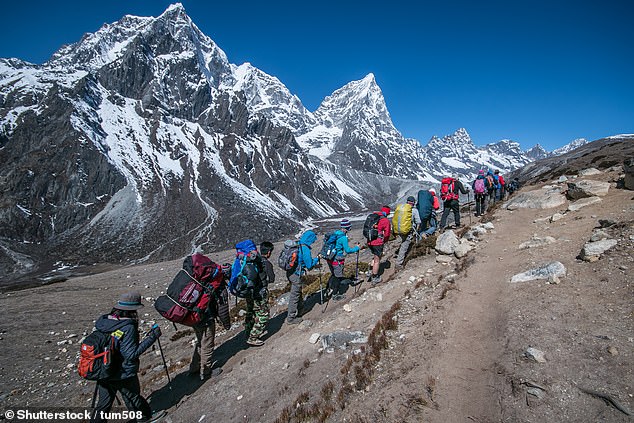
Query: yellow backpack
column 402, row 219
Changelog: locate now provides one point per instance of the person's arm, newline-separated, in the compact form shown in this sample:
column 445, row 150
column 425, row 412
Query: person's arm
column 346, row 246
column 462, row 188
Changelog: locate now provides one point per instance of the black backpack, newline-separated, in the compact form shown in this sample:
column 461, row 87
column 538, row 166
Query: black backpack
column 370, row 231
column 96, row 356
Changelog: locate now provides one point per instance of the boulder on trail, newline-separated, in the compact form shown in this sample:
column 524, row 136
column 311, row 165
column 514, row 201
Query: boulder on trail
column 587, row 188
column 536, row 242
column 592, row 250
column 589, row 172
column 447, row 243
column 545, row 198
column 545, row 271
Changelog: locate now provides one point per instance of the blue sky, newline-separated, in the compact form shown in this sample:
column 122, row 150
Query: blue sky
column 533, row 71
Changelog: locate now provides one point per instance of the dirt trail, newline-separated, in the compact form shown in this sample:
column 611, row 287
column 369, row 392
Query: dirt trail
column 455, row 353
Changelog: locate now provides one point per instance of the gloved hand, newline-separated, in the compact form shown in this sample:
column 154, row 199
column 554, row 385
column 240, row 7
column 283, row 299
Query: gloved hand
column 155, row 332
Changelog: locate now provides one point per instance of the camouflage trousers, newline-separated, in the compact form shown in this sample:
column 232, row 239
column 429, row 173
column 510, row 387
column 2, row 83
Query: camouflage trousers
column 257, row 316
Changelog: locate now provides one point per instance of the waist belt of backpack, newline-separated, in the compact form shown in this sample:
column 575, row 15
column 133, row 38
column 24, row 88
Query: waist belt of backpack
column 337, row 262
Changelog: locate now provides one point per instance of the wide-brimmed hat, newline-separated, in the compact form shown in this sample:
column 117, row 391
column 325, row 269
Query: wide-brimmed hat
column 129, row 301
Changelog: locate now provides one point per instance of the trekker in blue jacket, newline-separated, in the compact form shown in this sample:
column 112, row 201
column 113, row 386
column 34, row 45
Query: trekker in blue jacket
column 336, row 265
column 306, row 262
column 123, row 323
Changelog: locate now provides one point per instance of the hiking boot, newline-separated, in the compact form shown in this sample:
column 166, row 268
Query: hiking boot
column 213, row 373
column 375, row 280
column 263, row 334
column 338, row 297
column 294, row 320
column 255, row 342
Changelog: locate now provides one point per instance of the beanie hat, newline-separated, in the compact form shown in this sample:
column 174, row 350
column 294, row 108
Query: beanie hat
column 385, row 210
column 481, row 172
column 129, row 301
column 433, row 191
column 411, row 199
column 345, row 224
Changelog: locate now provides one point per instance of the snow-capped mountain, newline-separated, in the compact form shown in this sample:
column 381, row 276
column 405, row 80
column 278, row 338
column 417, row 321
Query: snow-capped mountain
column 536, row 152
column 569, row 147
column 141, row 141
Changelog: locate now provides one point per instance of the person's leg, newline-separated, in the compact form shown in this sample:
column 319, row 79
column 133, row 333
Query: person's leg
column 261, row 309
column 406, row 241
column 207, row 348
column 337, row 273
column 295, row 297
column 445, row 214
column 249, row 317
column 194, row 366
column 455, row 206
column 106, row 398
column 131, row 392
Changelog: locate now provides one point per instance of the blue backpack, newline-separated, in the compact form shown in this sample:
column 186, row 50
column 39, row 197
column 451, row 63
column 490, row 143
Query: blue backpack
column 329, row 250
column 239, row 284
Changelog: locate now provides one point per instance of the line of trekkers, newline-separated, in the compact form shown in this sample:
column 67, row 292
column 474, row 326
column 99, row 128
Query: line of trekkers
column 198, row 295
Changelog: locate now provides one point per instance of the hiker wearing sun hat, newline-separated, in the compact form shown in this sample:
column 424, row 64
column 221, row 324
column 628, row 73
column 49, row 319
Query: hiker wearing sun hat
column 123, row 324
column 336, row 265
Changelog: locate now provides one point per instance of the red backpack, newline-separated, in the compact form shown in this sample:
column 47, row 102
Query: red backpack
column 448, row 189
column 191, row 290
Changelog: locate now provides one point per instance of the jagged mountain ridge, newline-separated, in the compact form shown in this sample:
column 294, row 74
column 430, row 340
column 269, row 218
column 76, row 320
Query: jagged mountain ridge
column 142, row 140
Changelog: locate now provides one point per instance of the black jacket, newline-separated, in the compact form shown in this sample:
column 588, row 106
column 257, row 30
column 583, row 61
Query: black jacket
column 126, row 343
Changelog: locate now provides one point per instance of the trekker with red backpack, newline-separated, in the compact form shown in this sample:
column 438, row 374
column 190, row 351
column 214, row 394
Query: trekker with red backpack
column 377, row 245
column 122, row 323
column 449, row 193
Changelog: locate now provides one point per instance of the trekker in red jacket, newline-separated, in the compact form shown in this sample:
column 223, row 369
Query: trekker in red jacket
column 376, row 246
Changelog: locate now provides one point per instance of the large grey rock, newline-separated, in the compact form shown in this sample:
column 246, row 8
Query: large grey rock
column 592, row 250
column 579, row 204
column 587, row 188
column 447, row 243
column 537, row 199
column 462, row 249
column 545, row 271
column 342, row 339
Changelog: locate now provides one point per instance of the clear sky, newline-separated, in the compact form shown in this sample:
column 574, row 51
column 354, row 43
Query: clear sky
column 540, row 71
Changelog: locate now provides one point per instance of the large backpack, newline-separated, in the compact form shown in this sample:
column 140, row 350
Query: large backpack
column 402, row 219
column 491, row 182
column 479, row 186
column 240, row 283
column 289, row 256
column 97, row 356
column 329, row 249
column 191, row 290
column 448, row 189
column 370, row 231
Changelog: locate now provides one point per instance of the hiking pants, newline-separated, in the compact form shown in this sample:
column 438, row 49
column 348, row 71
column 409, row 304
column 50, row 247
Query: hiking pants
column 430, row 224
column 203, row 349
column 130, row 391
column 257, row 316
column 480, row 204
column 295, row 301
column 336, row 274
column 406, row 242
column 451, row 205
column 491, row 197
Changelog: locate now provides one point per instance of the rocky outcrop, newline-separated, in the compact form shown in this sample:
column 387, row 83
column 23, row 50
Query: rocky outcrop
column 545, row 198
column 586, row 188
column 628, row 168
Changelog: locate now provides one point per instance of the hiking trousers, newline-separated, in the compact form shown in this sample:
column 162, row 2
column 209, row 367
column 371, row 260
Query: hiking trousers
column 336, row 274
column 451, row 205
column 406, row 242
column 430, row 224
column 480, row 204
column 257, row 316
column 295, row 301
column 130, row 391
column 203, row 349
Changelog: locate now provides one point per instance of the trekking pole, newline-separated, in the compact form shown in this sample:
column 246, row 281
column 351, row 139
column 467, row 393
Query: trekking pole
column 321, row 288
column 169, row 380
column 93, row 414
